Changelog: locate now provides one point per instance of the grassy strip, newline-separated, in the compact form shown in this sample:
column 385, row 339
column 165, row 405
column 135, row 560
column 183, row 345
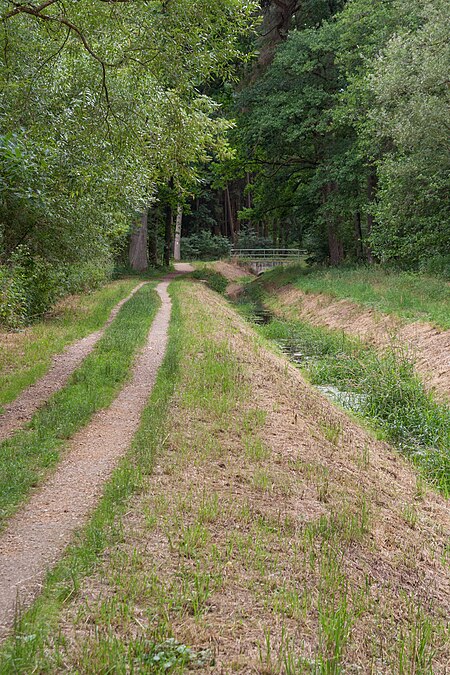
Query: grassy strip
column 414, row 297
column 390, row 395
column 27, row 457
column 220, row 511
column 27, row 651
column 26, row 356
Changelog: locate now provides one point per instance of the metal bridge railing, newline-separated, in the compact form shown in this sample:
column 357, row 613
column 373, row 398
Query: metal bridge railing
column 262, row 254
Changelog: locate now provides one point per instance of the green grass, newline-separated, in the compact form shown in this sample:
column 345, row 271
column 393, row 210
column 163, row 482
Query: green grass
column 137, row 609
column 27, row 651
column 389, row 394
column 413, row 297
column 215, row 280
column 26, row 356
column 28, row 456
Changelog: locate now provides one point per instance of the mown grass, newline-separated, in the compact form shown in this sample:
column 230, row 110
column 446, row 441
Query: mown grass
column 28, row 649
column 28, row 456
column 412, row 296
column 26, row 356
column 289, row 581
column 390, row 395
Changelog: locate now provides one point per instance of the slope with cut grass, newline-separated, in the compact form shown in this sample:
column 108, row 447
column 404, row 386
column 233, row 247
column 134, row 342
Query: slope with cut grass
column 274, row 535
column 413, row 297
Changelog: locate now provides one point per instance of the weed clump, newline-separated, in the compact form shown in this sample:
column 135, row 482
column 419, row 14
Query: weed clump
column 216, row 281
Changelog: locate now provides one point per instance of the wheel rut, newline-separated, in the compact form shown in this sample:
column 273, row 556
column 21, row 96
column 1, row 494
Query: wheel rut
column 20, row 411
column 37, row 536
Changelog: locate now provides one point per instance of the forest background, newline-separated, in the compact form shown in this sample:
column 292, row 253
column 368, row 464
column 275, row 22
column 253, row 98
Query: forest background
column 319, row 124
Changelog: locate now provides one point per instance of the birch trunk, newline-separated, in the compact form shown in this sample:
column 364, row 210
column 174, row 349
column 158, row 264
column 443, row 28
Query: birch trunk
column 139, row 245
column 177, row 243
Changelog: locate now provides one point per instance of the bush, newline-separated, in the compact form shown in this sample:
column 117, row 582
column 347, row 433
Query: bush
column 215, row 280
column 13, row 299
column 205, row 246
column 30, row 286
column 248, row 238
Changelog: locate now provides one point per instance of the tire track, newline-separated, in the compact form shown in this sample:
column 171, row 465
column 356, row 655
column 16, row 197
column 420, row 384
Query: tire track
column 37, row 536
column 20, row 411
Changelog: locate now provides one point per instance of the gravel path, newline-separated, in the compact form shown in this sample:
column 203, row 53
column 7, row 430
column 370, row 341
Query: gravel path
column 37, row 536
column 22, row 409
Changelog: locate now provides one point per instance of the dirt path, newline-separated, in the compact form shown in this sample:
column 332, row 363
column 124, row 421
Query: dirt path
column 38, row 534
column 273, row 528
column 429, row 346
column 17, row 413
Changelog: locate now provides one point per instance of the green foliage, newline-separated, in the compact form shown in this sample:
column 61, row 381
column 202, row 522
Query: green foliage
column 30, row 285
column 345, row 133
column 204, row 246
column 410, row 112
column 215, row 280
column 94, row 121
column 249, row 238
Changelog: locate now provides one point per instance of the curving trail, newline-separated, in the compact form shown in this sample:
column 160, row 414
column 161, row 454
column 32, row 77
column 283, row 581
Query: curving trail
column 20, row 411
column 37, row 536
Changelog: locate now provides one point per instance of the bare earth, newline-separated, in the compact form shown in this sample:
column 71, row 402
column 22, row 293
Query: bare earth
column 17, row 413
column 37, row 535
column 430, row 347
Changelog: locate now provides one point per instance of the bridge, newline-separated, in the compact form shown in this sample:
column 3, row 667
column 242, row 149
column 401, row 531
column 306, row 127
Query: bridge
column 260, row 260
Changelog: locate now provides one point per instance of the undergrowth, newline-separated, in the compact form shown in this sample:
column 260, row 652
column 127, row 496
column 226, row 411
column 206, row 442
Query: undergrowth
column 28, row 456
column 215, row 280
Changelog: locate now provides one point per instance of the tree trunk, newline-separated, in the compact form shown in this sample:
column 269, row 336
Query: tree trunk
column 139, row 245
column 178, row 223
column 358, row 235
column 230, row 216
column 335, row 246
column 372, row 182
column 153, row 237
column 168, row 236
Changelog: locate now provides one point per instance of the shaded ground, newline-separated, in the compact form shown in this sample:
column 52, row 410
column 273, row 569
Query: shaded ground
column 22, row 409
column 275, row 535
column 38, row 534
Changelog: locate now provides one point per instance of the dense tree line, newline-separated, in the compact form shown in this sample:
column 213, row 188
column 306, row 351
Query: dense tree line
column 318, row 123
column 103, row 114
column 342, row 125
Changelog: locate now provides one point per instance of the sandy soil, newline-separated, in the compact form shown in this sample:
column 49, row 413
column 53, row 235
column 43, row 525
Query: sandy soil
column 256, row 545
column 19, row 412
column 36, row 537
column 429, row 346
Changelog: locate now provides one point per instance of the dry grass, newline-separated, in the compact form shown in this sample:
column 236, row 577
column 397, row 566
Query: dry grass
column 274, row 536
column 429, row 345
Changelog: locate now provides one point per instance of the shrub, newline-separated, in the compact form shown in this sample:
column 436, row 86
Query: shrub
column 215, row 280
column 204, row 246
column 30, row 285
